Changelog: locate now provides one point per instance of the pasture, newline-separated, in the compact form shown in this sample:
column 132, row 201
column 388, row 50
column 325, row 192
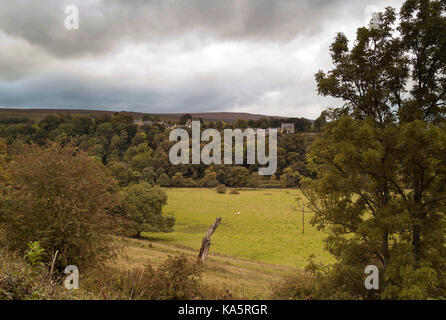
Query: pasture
column 268, row 228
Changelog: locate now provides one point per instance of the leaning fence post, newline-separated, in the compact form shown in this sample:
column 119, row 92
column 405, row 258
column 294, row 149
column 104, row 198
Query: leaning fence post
column 206, row 242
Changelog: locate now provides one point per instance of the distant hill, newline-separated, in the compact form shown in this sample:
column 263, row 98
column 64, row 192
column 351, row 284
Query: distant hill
column 39, row 114
column 218, row 116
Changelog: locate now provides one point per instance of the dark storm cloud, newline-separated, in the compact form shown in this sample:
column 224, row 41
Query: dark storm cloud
column 104, row 23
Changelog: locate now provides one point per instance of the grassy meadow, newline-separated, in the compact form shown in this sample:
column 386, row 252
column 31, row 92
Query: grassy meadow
column 268, row 228
column 231, row 278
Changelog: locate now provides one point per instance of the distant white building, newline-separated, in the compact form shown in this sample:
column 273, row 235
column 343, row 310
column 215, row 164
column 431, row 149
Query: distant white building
column 140, row 123
column 287, row 127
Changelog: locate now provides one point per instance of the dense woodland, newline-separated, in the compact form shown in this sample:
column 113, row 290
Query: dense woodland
column 140, row 153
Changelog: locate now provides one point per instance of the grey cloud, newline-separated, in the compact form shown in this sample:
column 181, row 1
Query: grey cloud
column 19, row 59
column 60, row 91
column 41, row 23
column 104, row 23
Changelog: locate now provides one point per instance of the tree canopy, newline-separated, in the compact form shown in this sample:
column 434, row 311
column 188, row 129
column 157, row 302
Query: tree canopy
column 380, row 164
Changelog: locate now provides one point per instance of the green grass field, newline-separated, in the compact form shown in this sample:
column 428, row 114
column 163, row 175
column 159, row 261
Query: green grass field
column 244, row 279
column 268, row 228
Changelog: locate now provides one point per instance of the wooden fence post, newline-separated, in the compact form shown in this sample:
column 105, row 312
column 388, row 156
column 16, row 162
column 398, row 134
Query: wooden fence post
column 206, row 242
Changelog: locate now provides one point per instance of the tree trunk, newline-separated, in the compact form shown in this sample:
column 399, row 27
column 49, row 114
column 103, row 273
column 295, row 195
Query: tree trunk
column 416, row 228
column 416, row 247
column 206, row 242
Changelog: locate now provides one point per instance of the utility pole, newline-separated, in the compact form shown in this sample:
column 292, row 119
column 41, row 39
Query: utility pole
column 301, row 203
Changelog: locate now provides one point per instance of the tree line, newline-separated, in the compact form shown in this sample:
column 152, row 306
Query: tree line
column 140, row 153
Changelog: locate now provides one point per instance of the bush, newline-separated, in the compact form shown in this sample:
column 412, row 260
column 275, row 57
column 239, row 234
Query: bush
column 60, row 198
column 176, row 279
column 20, row 280
column 17, row 281
column 221, row 188
column 298, row 286
column 325, row 282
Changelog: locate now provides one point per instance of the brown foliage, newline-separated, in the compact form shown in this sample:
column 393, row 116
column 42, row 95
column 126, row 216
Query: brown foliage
column 61, row 198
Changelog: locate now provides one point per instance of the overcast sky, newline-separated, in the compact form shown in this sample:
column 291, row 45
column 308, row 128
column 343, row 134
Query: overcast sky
column 257, row 56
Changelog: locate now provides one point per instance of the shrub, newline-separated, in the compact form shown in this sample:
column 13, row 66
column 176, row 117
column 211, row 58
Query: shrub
column 60, row 198
column 20, row 280
column 176, row 279
column 17, row 281
column 324, row 282
column 221, row 188
column 298, row 286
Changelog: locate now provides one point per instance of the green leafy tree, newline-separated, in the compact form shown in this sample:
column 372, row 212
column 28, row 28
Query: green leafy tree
column 148, row 175
column 120, row 172
column 380, row 163
column 105, row 130
column 51, row 123
column 289, row 178
column 143, row 206
column 178, row 180
column 210, row 179
column 239, row 176
column 163, row 180
column 320, row 122
column 139, row 157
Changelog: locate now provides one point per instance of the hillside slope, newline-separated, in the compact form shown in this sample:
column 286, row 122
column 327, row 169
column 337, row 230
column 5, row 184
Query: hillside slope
column 39, row 114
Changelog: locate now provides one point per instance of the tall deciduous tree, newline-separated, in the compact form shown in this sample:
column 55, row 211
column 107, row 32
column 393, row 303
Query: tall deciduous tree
column 381, row 163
